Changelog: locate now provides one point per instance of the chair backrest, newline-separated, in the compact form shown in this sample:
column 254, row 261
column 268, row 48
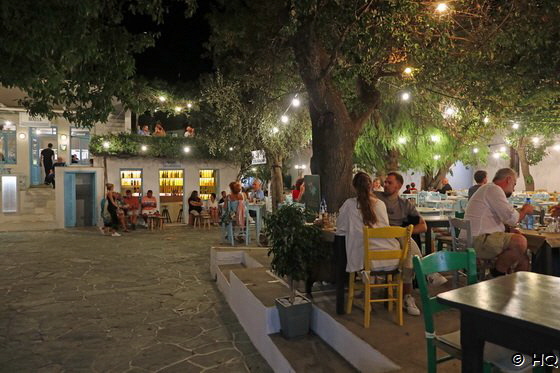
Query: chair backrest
column 460, row 242
column 386, row 232
column 441, row 261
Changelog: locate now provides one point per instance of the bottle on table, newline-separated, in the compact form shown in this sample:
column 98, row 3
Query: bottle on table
column 529, row 220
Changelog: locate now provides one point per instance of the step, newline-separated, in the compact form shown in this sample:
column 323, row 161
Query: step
column 27, row 218
column 30, row 226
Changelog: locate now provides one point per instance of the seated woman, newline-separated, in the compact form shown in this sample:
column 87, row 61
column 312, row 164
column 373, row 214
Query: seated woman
column 297, row 193
column 235, row 206
column 360, row 211
column 195, row 206
column 213, row 208
column 159, row 130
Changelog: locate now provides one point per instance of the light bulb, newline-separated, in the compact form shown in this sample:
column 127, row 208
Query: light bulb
column 8, row 123
column 275, row 130
column 402, row 140
column 442, row 7
column 106, row 144
column 449, row 111
column 515, row 125
column 178, row 109
column 162, row 98
column 22, row 136
column 556, row 147
column 187, row 149
column 503, row 149
column 496, row 155
column 407, row 70
column 296, row 102
column 486, row 120
column 254, row 169
column 303, row 167
column 144, row 148
column 63, row 137
column 434, row 138
column 405, row 96
column 475, row 150
column 284, row 119
column 189, row 105
column 230, row 148
column 536, row 140
column 437, row 157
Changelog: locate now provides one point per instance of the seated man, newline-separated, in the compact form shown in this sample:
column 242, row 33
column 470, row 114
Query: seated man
column 149, row 205
column 402, row 212
column 489, row 211
column 131, row 207
column 481, row 178
column 445, row 187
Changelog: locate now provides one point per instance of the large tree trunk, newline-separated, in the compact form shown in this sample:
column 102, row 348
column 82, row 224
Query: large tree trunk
column 334, row 129
column 431, row 181
column 527, row 177
column 276, row 182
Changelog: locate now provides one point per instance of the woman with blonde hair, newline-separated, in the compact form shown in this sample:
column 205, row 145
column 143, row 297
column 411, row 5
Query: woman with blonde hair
column 235, row 204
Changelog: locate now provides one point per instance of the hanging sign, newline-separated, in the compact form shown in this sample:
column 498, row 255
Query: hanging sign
column 259, row 157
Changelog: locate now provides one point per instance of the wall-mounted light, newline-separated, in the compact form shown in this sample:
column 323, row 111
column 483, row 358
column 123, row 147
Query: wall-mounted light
column 22, row 136
column 63, row 137
column 63, row 147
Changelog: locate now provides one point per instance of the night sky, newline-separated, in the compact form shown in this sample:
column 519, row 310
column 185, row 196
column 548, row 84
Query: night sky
column 178, row 54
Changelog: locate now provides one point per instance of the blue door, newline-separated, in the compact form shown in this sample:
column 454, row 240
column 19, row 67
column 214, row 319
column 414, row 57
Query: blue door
column 69, row 199
column 34, row 157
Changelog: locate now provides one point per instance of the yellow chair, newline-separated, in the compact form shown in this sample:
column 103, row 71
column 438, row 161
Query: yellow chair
column 394, row 277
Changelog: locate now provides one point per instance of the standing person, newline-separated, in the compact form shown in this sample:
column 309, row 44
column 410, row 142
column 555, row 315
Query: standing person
column 377, row 185
column 481, row 178
column 235, row 205
column 195, row 206
column 298, row 191
column 47, row 160
column 401, row 213
column 489, row 212
column 445, row 187
column 131, row 208
column 213, row 208
column 112, row 207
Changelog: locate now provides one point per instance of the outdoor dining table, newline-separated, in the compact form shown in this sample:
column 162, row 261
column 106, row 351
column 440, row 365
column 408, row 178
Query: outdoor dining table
column 259, row 209
column 434, row 211
column 432, row 222
column 545, row 247
column 518, row 311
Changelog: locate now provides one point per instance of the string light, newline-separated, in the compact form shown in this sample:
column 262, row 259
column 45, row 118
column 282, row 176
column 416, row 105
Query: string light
column 442, row 7
column 22, row 136
column 230, row 148
column 162, row 98
column 496, row 155
column 254, row 169
column 106, row 144
column 402, row 140
column 437, row 157
column 536, row 140
column 515, row 125
column 486, row 120
column 284, row 119
column 8, row 123
column 405, row 96
column 556, row 147
column 178, row 109
column 275, row 130
column 187, row 149
column 296, row 102
column 435, row 138
column 189, row 105
column 450, row 111
column 407, row 70
column 475, row 150
column 144, row 148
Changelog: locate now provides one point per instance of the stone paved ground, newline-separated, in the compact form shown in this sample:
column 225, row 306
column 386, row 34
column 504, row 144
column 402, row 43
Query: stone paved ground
column 75, row 301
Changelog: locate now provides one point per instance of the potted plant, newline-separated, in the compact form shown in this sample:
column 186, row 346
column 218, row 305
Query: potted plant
column 295, row 247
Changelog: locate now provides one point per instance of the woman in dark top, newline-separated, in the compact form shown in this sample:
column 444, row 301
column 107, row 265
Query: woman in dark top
column 112, row 206
column 195, row 206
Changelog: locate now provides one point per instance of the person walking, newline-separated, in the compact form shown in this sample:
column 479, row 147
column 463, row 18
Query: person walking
column 47, row 161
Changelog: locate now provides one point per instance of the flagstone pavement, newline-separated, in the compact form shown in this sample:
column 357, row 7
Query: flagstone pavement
column 76, row 301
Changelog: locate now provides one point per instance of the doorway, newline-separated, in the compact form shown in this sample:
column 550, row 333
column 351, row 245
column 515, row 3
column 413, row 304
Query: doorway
column 79, row 199
column 39, row 138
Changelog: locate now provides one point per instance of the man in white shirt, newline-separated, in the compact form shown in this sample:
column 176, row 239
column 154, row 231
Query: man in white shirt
column 489, row 212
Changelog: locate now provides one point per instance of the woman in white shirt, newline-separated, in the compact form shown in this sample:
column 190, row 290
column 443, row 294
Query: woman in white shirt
column 212, row 206
column 360, row 211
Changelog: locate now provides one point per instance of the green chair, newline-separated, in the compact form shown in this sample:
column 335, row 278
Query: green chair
column 446, row 239
column 443, row 261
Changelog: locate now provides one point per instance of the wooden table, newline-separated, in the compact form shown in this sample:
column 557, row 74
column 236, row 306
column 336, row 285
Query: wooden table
column 432, row 222
column 545, row 247
column 519, row 311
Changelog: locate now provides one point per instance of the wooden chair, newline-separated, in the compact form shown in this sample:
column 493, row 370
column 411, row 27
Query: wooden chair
column 205, row 220
column 196, row 220
column 394, row 280
column 443, row 261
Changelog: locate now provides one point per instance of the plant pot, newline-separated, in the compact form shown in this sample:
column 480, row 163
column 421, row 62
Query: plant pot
column 295, row 319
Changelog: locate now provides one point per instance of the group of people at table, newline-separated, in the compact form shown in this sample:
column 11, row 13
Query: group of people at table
column 492, row 218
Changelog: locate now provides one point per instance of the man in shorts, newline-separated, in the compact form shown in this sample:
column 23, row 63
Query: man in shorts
column 131, row 207
column 489, row 212
column 149, row 205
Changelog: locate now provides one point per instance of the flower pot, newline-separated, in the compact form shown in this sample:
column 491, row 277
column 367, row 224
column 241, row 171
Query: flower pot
column 295, row 319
